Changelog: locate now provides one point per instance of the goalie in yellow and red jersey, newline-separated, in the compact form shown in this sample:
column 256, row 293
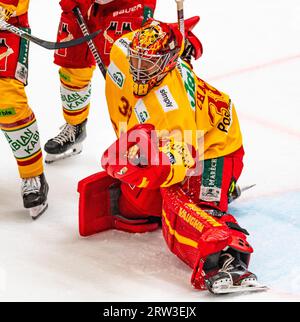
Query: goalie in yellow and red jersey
column 177, row 160
column 17, row 120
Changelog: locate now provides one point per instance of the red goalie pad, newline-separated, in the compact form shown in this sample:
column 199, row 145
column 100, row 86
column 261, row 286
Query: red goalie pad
column 194, row 235
column 94, row 203
column 99, row 208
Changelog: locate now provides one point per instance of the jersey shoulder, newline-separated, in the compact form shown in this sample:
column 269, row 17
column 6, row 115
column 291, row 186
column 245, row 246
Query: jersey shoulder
column 120, row 46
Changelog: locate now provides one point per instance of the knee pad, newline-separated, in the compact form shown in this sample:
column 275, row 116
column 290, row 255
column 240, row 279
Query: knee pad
column 95, row 203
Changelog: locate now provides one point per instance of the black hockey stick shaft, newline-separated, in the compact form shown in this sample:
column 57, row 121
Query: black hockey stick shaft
column 44, row 43
column 85, row 31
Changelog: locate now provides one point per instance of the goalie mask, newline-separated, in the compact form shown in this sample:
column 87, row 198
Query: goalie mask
column 153, row 52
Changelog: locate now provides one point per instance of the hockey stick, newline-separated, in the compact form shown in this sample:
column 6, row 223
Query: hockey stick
column 44, row 43
column 180, row 14
column 85, row 31
column 248, row 187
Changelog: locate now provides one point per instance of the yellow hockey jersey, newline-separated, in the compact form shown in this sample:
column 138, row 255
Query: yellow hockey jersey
column 182, row 107
column 19, row 7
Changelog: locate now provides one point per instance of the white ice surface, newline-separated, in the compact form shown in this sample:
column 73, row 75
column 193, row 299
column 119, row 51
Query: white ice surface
column 252, row 51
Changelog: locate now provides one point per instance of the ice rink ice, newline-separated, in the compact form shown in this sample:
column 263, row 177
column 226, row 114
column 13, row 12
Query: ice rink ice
column 252, row 52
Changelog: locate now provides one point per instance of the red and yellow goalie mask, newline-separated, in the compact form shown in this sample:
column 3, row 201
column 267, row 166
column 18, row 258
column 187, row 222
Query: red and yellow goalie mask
column 153, row 52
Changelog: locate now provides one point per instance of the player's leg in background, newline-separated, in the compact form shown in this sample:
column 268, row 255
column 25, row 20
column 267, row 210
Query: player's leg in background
column 19, row 126
column 17, row 120
column 77, row 64
column 76, row 70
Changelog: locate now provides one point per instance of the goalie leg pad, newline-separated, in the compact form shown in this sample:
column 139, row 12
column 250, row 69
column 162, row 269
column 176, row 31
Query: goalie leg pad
column 95, row 205
column 99, row 208
column 194, row 235
column 189, row 230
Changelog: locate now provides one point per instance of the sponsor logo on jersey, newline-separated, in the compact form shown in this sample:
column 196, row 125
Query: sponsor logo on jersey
column 178, row 153
column 148, row 13
column 141, row 112
column 24, row 142
column 116, row 75
column 7, row 112
column 171, row 157
column 65, row 77
column 123, row 44
column 212, row 180
column 166, row 99
column 189, row 83
column 21, row 71
column 219, row 105
column 75, row 100
column 226, row 121
column 127, row 10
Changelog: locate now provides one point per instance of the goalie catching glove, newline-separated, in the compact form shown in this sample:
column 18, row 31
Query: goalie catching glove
column 136, row 158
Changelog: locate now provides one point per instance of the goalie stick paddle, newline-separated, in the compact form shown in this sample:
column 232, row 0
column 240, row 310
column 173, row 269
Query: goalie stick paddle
column 44, row 43
column 85, row 31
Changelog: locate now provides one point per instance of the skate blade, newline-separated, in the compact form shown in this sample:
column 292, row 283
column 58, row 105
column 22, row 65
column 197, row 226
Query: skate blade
column 239, row 289
column 51, row 158
column 37, row 211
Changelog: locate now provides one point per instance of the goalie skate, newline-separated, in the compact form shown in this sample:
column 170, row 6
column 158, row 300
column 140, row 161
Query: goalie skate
column 257, row 287
column 67, row 143
column 233, row 277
